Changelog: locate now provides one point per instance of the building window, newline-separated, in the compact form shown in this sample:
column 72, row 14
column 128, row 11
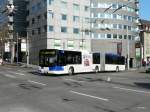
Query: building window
column 108, row 35
column 33, row 32
column 76, row 7
column 51, row 28
column 33, row 9
column 45, row 28
column 114, row 6
column 101, row 15
column 86, row 8
column 125, row 17
column 50, row 2
column 129, row 27
column 115, row 36
column 87, row 32
column 33, row 21
column 57, row 44
column 108, row 16
column 44, row 2
column 120, row 36
column 129, row 36
column 120, row 26
column 76, row 18
column 70, row 44
column 114, row 16
column 115, row 26
column 45, row 15
column 64, row 17
column 87, row 20
column 125, row 27
column 50, row 14
column 95, row 15
column 38, row 18
column 102, row 36
column 64, row 5
column 76, row 30
column 82, row 44
column 39, row 6
column 95, row 35
column 125, row 36
column 64, row 29
column 39, row 30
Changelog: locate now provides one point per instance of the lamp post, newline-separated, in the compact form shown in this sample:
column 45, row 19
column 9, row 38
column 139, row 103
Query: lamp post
column 10, row 11
column 2, row 47
column 128, row 52
column 27, row 48
column 17, row 48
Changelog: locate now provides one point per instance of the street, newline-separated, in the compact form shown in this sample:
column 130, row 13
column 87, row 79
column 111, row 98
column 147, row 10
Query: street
column 24, row 90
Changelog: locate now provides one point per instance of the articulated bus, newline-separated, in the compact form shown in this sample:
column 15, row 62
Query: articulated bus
column 54, row 61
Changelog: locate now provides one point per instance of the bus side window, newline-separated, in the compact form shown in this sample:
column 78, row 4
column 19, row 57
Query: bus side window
column 78, row 59
column 61, row 59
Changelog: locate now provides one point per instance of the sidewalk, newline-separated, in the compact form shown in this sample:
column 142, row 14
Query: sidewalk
column 22, row 65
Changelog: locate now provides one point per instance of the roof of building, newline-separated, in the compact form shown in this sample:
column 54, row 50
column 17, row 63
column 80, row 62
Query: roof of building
column 147, row 22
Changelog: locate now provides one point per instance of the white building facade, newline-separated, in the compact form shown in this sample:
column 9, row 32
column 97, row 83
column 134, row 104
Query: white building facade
column 58, row 24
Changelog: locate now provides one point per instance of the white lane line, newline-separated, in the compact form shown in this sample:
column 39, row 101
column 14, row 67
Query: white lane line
column 73, row 80
column 8, row 68
column 133, row 90
column 37, row 82
column 20, row 71
column 10, row 76
column 16, row 73
column 95, row 97
column 20, row 74
column 141, row 107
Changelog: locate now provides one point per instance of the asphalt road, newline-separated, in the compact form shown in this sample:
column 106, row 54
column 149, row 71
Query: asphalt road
column 24, row 90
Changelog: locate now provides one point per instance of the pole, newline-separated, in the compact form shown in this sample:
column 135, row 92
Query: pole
column 27, row 49
column 12, row 48
column 82, row 33
column 128, row 53
column 17, row 48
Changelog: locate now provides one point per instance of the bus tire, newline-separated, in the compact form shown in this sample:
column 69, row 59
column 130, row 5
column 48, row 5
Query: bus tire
column 117, row 69
column 96, row 69
column 71, row 71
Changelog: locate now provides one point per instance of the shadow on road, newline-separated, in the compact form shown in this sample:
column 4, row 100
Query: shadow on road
column 48, row 75
column 143, row 85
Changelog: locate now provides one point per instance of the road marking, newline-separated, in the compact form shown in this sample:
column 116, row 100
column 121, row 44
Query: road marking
column 133, row 90
column 73, row 80
column 16, row 73
column 141, row 107
column 20, row 71
column 10, row 76
column 95, row 97
column 20, row 74
column 37, row 82
column 8, row 68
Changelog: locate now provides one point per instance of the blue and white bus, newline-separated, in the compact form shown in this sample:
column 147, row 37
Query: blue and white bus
column 108, row 62
column 54, row 61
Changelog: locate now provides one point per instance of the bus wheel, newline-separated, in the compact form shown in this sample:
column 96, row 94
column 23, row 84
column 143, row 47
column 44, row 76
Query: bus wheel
column 71, row 71
column 117, row 69
column 96, row 69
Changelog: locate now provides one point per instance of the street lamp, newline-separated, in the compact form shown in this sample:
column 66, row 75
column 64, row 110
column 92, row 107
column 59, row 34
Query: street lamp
column 27, row 48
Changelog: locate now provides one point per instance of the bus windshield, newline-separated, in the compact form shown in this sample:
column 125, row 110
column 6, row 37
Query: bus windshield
column 47, row 58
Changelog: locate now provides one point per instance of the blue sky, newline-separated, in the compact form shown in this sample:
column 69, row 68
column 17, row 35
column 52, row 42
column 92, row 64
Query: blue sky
column 145, row 9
